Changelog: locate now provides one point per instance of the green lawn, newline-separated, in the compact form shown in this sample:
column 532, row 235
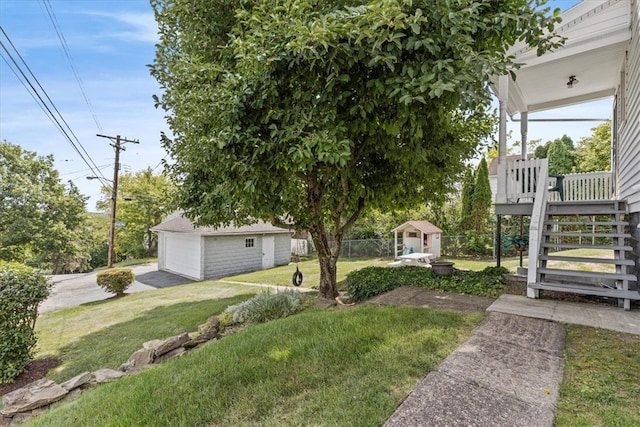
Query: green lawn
column 601, row 384
column 321, row 367
column 362, row 360
column 105, row 333
column 281, row 276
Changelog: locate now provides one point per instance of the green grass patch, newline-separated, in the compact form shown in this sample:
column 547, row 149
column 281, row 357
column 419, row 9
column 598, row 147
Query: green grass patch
column 601, row 384
column 281, row 276
column 105, row 333
column 321, row 367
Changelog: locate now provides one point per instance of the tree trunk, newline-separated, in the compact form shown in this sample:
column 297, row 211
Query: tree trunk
column 327, row 261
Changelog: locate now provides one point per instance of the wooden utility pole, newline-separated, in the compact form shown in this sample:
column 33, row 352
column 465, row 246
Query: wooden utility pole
column 118, row 146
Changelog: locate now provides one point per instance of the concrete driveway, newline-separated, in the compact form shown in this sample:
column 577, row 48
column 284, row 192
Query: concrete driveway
column 70, row 290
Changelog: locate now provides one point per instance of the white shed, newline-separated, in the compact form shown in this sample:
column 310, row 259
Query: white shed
column 418, row 236
column 207, row 253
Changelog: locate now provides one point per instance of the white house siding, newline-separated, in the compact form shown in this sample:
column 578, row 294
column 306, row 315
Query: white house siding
column 228, row 255
column 629, row 127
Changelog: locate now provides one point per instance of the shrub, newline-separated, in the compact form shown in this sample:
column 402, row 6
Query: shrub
column 371, row 281
column 264, row 307
column 115, row 280
column 22, row 289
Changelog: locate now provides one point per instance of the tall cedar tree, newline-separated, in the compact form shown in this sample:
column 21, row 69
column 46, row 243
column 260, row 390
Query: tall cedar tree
column 481, row 200
column 309, row 113
column 466, row 210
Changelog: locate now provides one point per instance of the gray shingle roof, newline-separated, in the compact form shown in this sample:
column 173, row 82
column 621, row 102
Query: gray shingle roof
column 180, row 224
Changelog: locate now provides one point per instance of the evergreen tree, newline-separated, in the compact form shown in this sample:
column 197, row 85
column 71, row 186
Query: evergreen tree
column 481, row 200
column 468, row 188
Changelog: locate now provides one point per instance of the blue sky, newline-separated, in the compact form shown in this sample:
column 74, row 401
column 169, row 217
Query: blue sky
column 111, row 42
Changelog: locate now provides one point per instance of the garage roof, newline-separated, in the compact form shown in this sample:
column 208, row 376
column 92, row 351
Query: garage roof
column 180, row 224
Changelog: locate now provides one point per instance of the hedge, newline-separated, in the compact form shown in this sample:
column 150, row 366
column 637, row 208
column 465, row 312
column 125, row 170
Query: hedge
column 371, row 281
column 22, row 289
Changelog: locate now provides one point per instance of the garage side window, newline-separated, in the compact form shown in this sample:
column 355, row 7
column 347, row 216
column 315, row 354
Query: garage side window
column 249, row 243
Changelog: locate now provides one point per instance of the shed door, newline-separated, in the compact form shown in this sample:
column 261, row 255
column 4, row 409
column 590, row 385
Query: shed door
column 182, row 255
column 268, row 251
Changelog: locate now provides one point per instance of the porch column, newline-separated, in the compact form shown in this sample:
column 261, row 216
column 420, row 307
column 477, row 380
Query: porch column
column 524, row 125
column 503, row 95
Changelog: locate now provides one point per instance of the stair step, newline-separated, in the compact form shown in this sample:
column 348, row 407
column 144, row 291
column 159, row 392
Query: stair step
column 578, row 246
column 576, row 234
column 586, row 290
column 577, row 210
column 585, row 260
column 586, row 223
column 590, row 274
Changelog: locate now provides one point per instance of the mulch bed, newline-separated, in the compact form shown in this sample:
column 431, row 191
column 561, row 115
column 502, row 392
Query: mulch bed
column 36, row 370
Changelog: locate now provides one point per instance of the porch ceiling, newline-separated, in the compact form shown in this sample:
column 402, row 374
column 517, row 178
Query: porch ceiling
column 597, row 33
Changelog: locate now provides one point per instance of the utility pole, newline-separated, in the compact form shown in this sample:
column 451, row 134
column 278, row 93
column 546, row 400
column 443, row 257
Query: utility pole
column 118, row 146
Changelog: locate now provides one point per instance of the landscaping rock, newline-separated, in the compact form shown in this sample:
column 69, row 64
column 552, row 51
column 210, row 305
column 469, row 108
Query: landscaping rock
column 139, row 360
column 151, row 344
column 106, row 375
column 169, row 344
column 77, row 381
column 176, row 352
column 209, row 330
column 34, row 395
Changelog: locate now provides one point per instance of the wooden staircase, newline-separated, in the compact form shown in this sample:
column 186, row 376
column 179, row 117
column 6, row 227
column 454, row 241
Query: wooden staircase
column 578, row 225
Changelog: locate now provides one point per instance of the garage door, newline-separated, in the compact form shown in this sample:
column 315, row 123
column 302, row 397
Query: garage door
column 182, row 255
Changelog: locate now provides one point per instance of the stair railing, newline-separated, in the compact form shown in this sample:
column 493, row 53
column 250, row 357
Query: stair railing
column 537, row 225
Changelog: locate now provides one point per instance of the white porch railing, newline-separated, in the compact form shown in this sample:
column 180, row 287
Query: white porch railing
column 585, row 186
column 521, row 179
column 523, row 176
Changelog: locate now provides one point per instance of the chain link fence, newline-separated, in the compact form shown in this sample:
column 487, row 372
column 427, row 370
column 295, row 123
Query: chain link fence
column 453, row 246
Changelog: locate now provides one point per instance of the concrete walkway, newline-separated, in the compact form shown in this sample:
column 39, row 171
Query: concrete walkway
column 509, row 371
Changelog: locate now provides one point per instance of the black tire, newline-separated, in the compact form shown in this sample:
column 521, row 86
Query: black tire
column 297, row 278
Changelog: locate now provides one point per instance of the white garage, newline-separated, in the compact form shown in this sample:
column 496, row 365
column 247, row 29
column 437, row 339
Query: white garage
column 207, row 252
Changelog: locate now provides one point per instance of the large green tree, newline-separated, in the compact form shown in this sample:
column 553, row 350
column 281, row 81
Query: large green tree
column 594, row 152
column 312, row 112
column 41, row 219
column 144, row 200
column 561, row 154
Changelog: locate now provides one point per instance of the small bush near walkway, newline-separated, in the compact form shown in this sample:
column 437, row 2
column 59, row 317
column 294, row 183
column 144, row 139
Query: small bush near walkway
column 371, row 281
column 22, row 289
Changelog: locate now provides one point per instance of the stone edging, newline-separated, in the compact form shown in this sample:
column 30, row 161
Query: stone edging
column 34, row 399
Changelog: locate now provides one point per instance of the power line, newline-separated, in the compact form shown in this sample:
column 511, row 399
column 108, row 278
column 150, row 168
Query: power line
column 22, row 76
column 67, row 52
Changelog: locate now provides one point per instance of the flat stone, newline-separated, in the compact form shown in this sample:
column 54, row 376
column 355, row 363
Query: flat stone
column 77, row 381
column 176, row 352
column 19, row 419
column 169, row 344
column 107, row 375
column 151, row 344
column 139, row 359
column 526, row 375
column 440, row 400
column 526, row 332
column 34, row 395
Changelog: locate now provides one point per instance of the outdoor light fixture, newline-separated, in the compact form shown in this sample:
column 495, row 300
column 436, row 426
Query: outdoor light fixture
column 572, row 81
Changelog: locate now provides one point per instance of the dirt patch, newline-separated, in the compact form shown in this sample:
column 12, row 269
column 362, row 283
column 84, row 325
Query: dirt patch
column 36, row 370
column 418, row 297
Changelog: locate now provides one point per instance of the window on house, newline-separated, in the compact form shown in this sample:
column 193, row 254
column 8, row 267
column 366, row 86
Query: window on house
column 249, row 243
column 412, row 234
